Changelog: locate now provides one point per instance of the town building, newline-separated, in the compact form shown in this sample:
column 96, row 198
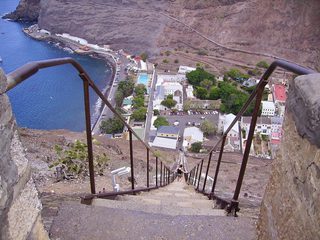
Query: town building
column 185, row 69
column 279, row 94
column 263, row 125
column 268, row 108
column 191, row 135
column 167, row 137
column 232, row 141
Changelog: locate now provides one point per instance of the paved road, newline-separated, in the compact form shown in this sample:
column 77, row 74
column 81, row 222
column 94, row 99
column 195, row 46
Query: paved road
column 150, row 107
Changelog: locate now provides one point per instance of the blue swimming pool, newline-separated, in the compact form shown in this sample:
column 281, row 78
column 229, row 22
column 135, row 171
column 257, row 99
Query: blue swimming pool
column 143, row 79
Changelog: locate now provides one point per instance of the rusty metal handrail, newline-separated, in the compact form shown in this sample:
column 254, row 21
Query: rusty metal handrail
column 22, row 73
column 257, row 93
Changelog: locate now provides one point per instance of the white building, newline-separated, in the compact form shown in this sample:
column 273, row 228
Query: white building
column 185, row 69
column 233, row 135
column 189, row 91
column 263, row 125
column 268, row 108
column 168, row 88
column 161, row 78
column 191, row 135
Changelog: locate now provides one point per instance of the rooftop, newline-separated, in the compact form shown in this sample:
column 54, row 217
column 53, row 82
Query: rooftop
column 260, row 120
column 168, row 130
column 165, row 142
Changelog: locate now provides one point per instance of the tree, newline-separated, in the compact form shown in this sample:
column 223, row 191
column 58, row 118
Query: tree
column 126, row 87
column 161, row 121
column 169, row 102
column 208, row 127
column 196, row 147
column 138, row 102
column 156, row 112
column 214, row 93
column 111, row 126
column 262, row 64
column 186, row 106
column 206, row 84
column 198, row 75
column 201, row 92
column 119, row 98
column 140, row 89
column 139, row 114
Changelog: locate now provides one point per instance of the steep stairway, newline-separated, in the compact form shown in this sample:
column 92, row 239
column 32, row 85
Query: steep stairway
column 173, row 212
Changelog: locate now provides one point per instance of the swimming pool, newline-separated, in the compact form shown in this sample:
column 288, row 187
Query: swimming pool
column 143, row 79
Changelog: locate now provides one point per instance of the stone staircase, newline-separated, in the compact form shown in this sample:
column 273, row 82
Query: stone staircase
column 173, row 212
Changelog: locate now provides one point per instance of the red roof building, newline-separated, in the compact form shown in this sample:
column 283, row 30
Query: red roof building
column 279, row 93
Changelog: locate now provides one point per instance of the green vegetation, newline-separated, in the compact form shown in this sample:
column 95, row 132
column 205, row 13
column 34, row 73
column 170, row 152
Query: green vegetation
column 176, row 61
column 125, row 89
column 167, row 53
column 111, row 126
column 196, row 147
column 139, row 114
column 74, row 160
column 138, row 102
column 201, row 93
column 160, row 121
column 140, row 89
column 236, row 74
column 165, row 61
column 263, row 64
column 197, row 76
column 144, row 56
column 208, row 128
column 264, row 137
column 156, row 112
column 169, row 102
column 202, row 52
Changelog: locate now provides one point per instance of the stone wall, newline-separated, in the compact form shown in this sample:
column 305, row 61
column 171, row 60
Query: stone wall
column 19, row 203
column 291, row 205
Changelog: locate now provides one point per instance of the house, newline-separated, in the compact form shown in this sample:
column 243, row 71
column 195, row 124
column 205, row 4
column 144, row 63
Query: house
column 167, row 137
column 191, row 135
column 233, row 136
column 268, row 108
column 185, row 69
column 168, row 88
column 276, row 127
column 263, row 125
column 168, row 132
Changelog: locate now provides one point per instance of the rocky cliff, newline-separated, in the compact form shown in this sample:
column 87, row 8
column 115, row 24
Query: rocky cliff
column 27, row 10
column 219, row 28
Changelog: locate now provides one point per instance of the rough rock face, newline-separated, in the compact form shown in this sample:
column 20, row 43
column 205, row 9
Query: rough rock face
column 284, row 28
column 19, row 203
column 291, row 206
column 27, row 10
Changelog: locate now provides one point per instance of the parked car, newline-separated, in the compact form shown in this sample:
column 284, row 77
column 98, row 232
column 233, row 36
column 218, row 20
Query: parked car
column 202, row 117
column 176, row 123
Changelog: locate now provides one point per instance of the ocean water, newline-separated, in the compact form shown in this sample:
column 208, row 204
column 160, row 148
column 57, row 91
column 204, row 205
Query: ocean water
column 53, row 98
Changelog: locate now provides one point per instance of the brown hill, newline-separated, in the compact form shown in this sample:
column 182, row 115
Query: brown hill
column 223, row 32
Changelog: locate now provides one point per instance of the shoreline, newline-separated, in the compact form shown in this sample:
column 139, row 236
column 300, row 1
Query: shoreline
column 109, row 57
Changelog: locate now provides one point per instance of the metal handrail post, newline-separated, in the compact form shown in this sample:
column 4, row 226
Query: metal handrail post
column 148, row 167
column 160, row 173
column 157, row 171
column 195, row 176
column 234, row 202
column 218, row 166
column 89, row 133
column 200, row 171
column 208, row 166
column 131, row 160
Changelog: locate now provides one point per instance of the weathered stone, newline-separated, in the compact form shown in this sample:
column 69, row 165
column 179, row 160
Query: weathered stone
column 304, row 103
column 19, row 203
column 291, row 206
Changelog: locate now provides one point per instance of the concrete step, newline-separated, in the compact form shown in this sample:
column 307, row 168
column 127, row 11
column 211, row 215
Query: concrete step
column 156, row 206
column 76, row 221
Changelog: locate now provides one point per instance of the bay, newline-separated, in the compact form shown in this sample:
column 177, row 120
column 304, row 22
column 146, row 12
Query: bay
column 52, row 98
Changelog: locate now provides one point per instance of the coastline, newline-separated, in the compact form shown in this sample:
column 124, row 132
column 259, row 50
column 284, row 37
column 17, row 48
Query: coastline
column 109, row 56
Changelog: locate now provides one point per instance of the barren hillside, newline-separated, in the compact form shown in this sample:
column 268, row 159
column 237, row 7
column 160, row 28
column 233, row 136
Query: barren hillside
column 228, row 32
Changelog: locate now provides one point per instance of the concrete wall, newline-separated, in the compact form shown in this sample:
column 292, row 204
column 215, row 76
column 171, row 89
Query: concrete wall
column 291, row 205
column 19, row 203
